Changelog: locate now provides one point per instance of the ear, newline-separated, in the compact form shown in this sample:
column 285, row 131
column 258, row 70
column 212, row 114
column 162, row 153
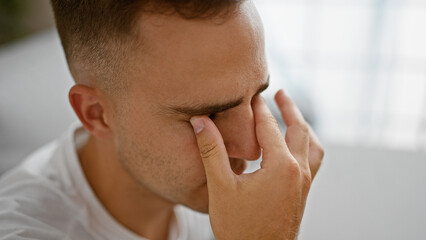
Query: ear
column 89, row 107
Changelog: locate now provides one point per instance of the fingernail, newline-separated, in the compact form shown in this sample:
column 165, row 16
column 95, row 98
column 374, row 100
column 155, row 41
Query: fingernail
column 197, row 124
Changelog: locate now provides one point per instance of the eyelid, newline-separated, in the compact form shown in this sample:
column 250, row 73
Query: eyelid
column 212, row 116
column 215, row 113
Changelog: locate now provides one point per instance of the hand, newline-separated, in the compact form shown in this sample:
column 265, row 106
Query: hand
column 268, row 203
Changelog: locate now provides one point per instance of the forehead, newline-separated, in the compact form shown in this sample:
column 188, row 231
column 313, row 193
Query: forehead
column 201, row 59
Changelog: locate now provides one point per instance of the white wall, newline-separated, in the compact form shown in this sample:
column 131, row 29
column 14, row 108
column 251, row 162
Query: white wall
column 34, row 83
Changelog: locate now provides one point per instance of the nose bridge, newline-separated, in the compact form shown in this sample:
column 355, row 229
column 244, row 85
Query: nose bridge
column 240, row 140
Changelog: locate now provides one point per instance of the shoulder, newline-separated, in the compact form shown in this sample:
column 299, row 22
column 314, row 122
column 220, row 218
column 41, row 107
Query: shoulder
column 32, row 204
column 34, row 210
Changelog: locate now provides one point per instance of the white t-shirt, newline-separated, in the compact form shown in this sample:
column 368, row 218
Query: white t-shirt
column 48, row 197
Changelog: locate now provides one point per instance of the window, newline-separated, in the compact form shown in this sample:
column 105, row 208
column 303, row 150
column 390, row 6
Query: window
column 360, row 63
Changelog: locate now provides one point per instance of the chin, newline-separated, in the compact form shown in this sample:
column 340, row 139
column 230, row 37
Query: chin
column 201, row 209
column 199, row 201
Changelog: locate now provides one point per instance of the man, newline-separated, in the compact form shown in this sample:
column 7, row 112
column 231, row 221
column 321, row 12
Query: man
column 167, row 93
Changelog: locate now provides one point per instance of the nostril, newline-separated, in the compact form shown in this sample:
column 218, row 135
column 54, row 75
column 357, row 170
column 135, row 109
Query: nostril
column 257, row 153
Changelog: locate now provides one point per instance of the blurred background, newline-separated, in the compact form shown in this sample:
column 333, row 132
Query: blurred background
column 356, row 68
column 361, row 62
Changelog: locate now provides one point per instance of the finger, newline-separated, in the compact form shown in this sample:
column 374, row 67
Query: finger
column 212, row 150
column 289, row 111
column 316, row 153
column 297, row 135
column 267, row 132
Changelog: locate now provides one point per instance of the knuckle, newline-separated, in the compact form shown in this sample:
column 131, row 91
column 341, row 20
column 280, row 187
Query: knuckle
column 314, row 167
column 318, row 153
column 307, row 179
column 270, row 120
column 321, row 152
column 300, row 176
column 293, row 169
column 304, row 128
column 301, row 128
column 209, row 150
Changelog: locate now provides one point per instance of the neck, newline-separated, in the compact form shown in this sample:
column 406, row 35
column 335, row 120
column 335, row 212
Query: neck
column 129, row 202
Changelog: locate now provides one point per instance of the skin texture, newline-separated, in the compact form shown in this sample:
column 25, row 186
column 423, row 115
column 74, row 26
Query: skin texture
column 142, row 158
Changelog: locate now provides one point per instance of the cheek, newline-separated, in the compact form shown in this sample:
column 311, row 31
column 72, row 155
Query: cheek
column 173, row 151
column 182, row 141
column 170, row 146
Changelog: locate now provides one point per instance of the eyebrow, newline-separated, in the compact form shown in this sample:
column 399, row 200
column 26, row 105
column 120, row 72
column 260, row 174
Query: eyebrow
column 207, row 109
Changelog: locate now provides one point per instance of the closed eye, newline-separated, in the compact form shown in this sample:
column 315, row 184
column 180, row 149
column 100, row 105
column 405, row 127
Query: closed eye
column 210, row 109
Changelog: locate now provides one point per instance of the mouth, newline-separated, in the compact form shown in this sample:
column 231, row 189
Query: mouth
column 238, row 165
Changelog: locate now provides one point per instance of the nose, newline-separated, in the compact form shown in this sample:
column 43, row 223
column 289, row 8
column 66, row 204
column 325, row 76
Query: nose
column 239, row 135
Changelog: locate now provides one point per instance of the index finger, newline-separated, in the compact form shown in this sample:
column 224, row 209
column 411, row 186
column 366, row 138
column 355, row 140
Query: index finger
column 268, row 133
column 297, row 135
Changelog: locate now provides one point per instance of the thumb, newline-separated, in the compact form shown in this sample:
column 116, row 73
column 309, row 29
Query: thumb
column 212, row 150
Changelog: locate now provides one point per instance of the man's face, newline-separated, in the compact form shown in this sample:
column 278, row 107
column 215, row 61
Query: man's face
column 187, row 68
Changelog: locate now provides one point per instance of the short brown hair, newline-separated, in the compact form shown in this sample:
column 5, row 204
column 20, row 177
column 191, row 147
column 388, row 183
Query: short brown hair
column 94, row 33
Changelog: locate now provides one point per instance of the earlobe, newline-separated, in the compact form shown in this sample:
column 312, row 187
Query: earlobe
column 89, row 108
